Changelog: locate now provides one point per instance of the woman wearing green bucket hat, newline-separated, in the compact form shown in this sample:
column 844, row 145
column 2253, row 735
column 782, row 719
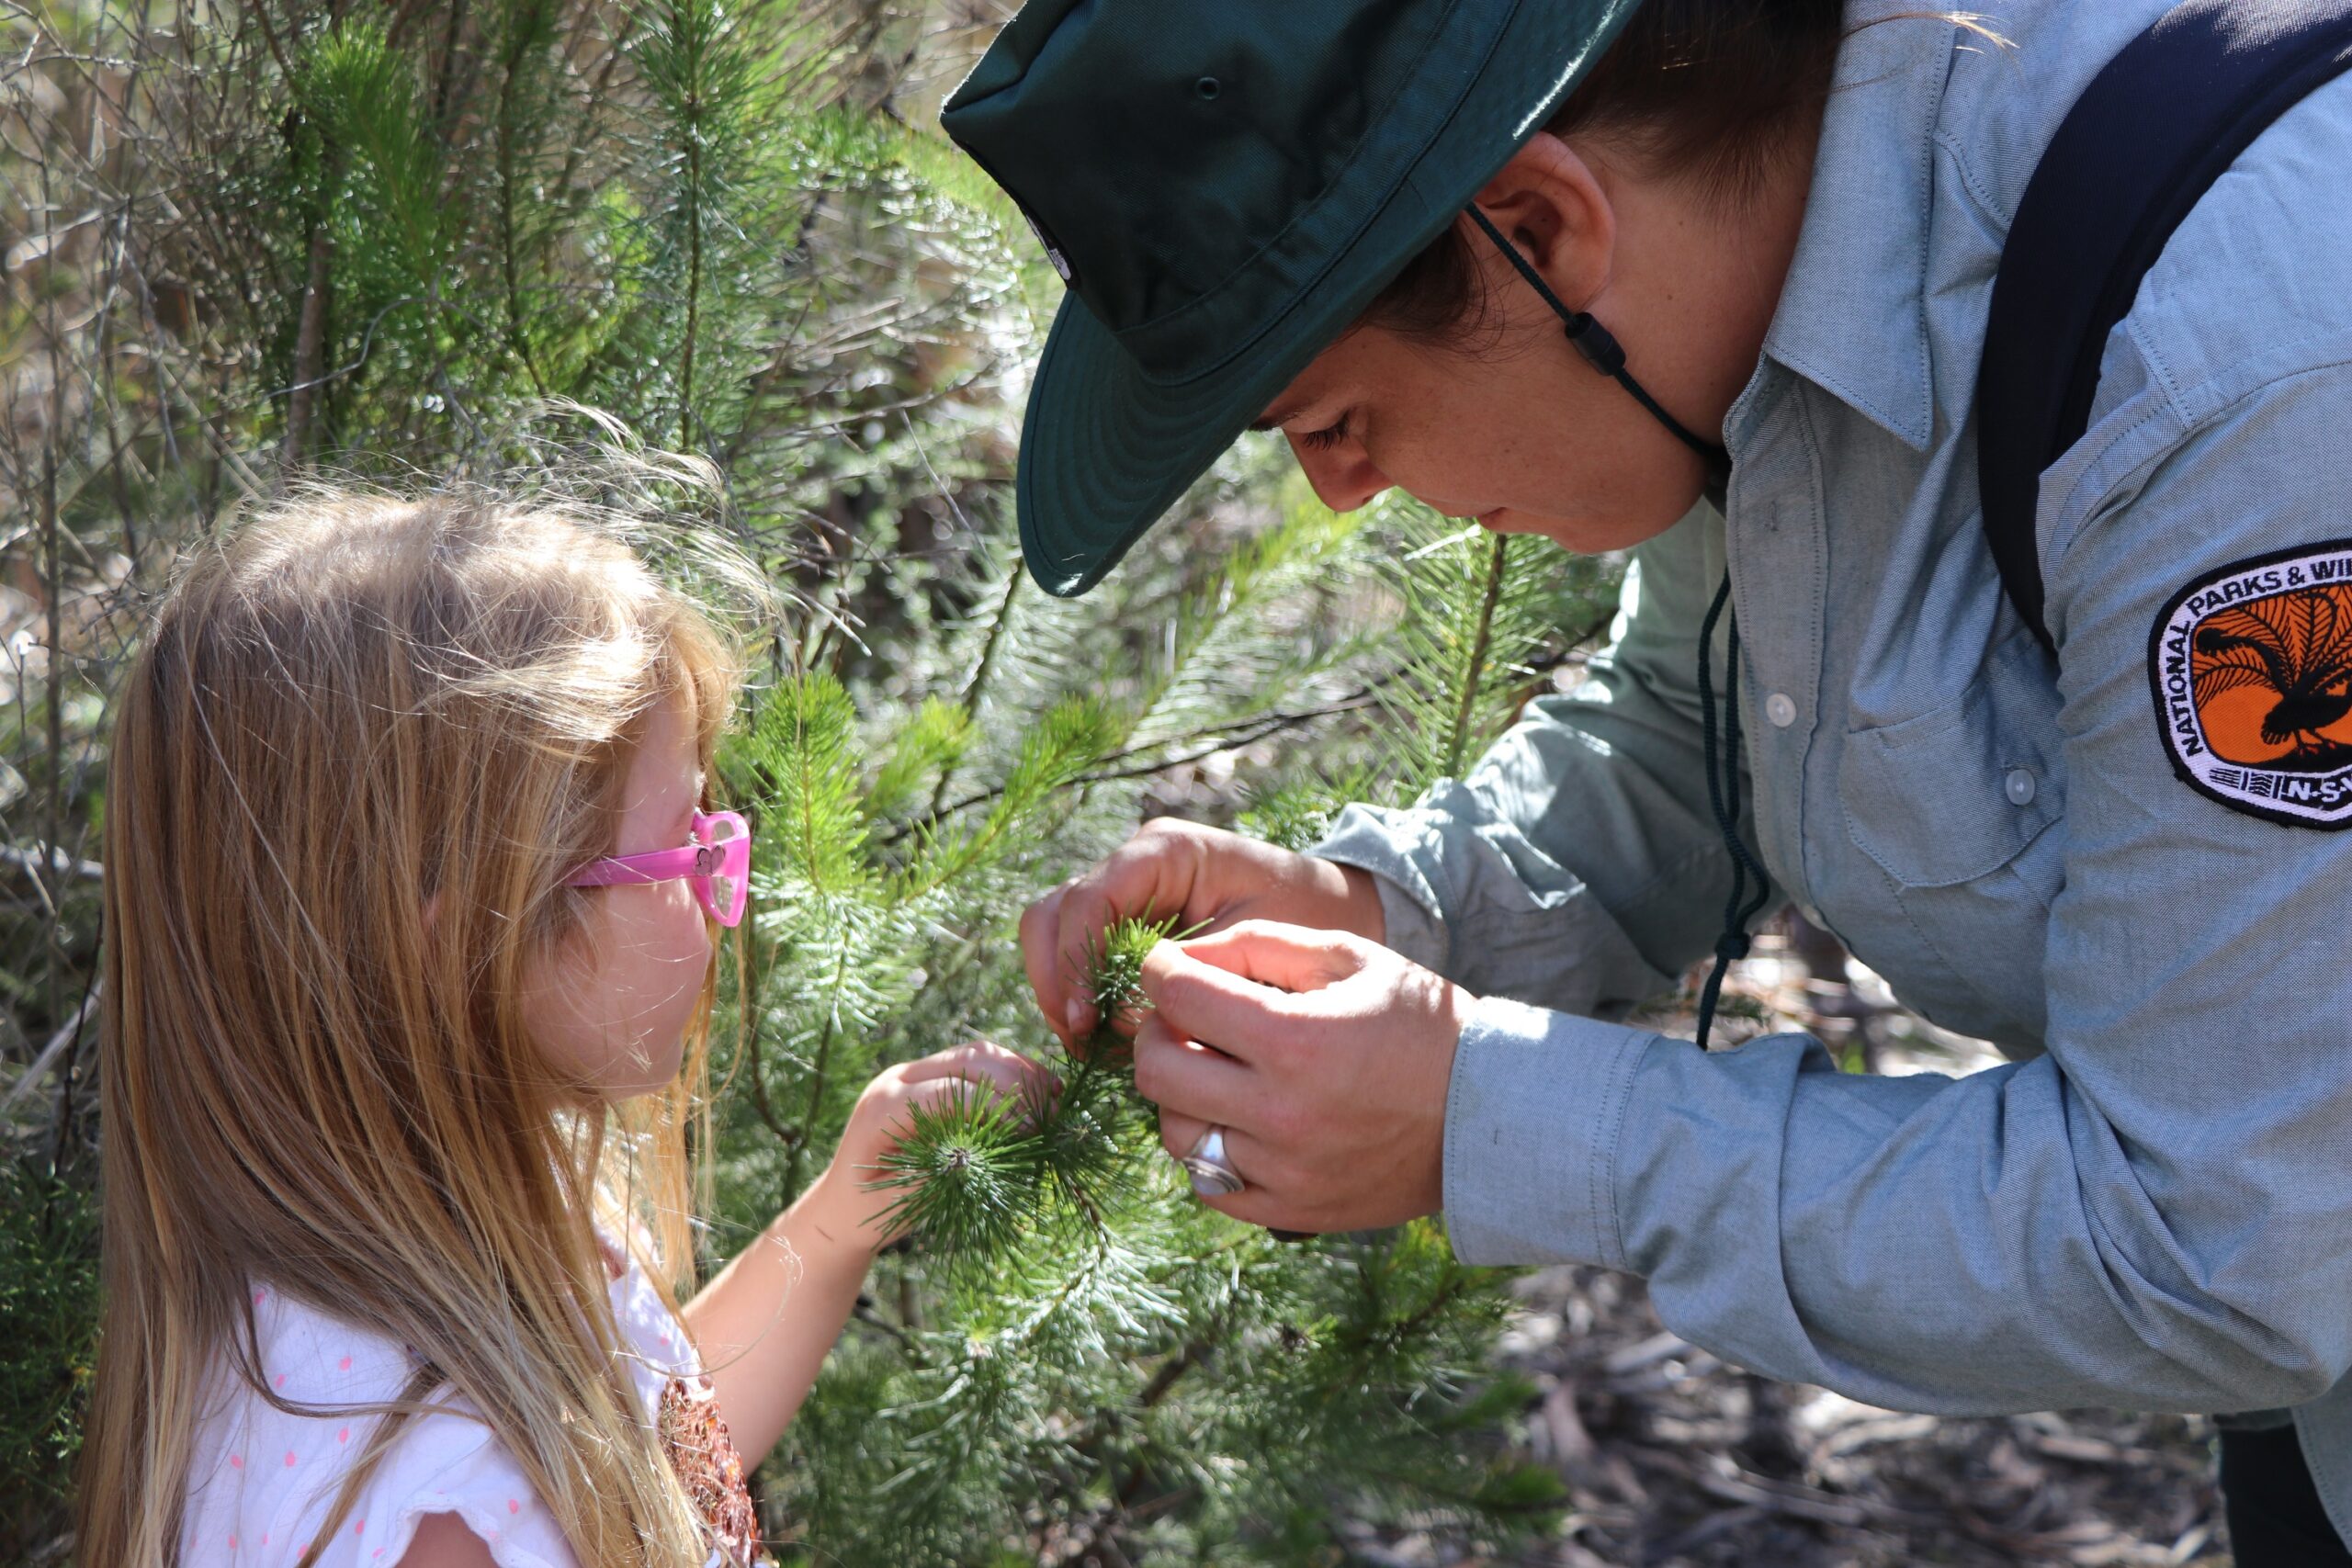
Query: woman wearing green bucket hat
column 2068, row 783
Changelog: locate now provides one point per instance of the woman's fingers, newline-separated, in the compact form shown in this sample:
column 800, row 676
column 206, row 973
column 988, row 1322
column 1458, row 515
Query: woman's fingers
column 1150, row 874
column 1241, row 990
column 1180, row 1133
column 1202, row 876
column 1193, row 1001
column 1289, row 958
column 1260, row 1200
column 1335, row 1100
column 1061, row 932
column 1040, row 954
column 1188, row 1079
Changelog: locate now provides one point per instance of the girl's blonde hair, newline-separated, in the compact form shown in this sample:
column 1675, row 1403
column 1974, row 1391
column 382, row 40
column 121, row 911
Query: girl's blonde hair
column 350, row 704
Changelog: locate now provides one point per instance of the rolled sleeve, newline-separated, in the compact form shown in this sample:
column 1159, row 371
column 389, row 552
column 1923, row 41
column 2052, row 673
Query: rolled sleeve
column 1467, row 896
column 1388, row 844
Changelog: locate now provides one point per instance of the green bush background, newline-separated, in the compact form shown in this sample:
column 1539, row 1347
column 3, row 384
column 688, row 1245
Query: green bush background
column 397, row 242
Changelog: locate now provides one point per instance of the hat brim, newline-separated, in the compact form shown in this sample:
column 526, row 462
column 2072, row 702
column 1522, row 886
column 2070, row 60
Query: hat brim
column 1105, row 449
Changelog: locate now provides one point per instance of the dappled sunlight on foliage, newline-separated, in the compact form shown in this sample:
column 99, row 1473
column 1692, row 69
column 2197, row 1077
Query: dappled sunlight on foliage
column 497, row 241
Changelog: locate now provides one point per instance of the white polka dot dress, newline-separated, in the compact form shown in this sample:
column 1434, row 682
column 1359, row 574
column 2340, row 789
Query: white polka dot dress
column 262, row 1482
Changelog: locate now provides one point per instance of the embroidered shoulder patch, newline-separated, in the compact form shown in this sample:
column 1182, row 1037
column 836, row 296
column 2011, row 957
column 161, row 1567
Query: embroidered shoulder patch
column 2252, row 669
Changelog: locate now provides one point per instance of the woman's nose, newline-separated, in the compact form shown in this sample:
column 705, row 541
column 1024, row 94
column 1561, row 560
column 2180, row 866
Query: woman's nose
column 1344, row 477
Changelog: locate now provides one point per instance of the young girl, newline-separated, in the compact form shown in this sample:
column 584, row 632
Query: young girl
column 409, row 954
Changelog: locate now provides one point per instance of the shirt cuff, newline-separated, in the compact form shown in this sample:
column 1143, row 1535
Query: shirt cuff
column 1532, row 1122
column 1371, row 843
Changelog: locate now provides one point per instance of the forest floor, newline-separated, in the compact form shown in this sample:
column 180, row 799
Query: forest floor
column 1673, row 1460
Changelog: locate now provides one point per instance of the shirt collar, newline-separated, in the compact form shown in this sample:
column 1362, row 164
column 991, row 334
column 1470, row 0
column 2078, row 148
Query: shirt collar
column 1853, row 315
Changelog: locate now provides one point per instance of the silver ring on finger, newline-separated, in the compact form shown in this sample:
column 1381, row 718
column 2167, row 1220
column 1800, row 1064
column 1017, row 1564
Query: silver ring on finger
column 1212, row 1170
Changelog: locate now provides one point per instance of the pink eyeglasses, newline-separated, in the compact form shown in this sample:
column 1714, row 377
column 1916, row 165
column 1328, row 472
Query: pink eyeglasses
column 719, row 862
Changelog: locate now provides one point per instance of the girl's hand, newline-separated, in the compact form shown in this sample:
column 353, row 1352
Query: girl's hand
column 766, row 1323
column 1200, row 876
column 840, row 1203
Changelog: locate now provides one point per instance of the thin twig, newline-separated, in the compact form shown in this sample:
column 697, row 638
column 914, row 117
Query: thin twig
column 517, row 339
column 309, row 345
column 864, row 1313
column 817, row 1077
column 58, row 861
column 70, row 1075
column 976, row 683
column 52, row 590
column 1213, row 742
column 58, row 1043
column 1473, row 674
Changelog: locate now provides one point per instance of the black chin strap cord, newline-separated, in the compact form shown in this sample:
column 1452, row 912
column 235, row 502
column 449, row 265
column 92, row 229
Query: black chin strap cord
column 1603, row 352
column 1722, row 794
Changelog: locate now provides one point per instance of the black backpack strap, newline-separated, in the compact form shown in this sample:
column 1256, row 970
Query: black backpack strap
column 2148, row 138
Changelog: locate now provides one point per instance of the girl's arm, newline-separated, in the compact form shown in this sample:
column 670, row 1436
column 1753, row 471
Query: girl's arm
column 766, row 1323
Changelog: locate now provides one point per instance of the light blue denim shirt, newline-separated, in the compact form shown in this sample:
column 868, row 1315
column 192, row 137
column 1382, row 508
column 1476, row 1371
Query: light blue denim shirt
column 2149, row 1207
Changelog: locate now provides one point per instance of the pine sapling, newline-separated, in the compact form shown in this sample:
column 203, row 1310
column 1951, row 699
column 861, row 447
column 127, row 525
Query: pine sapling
column 977, row 1174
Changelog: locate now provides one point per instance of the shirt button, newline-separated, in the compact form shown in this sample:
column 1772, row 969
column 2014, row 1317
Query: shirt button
column 1781, row 710
column 2022, row 786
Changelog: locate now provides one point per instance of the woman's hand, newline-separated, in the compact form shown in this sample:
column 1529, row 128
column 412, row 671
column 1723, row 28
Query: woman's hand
column 1324, row 1056
column 884, row 1115
column 1200, row 877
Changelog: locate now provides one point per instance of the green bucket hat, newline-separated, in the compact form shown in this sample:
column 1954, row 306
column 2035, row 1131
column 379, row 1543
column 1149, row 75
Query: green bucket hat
column 1226, row 185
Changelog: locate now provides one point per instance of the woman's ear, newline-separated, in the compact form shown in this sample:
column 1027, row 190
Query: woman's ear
column 1555, row 207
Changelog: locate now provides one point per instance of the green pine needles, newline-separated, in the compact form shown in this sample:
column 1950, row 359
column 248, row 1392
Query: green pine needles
column 1483, row 617
column 49, row 1305
column 398, row 240
column 970, row 1174
column 978, row 1172
column 1071, row 1359
column 1114, row 973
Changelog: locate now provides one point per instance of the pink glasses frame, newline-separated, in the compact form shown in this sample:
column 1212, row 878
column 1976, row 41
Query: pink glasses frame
column 729, row 858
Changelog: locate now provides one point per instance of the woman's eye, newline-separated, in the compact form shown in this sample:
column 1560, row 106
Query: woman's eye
column 1329, row 436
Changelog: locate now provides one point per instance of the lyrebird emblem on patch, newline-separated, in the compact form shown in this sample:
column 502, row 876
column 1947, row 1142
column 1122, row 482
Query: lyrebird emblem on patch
column 2252, row 667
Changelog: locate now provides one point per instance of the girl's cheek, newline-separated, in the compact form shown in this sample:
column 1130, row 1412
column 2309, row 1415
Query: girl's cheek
column 675, row 948
column 691, row 922
column 662, row 913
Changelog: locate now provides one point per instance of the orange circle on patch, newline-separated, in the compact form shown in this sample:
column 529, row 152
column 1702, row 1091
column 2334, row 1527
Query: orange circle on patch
column 2272, row 679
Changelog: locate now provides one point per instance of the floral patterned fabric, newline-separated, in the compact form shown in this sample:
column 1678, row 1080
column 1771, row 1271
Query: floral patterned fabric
column 704, row 1457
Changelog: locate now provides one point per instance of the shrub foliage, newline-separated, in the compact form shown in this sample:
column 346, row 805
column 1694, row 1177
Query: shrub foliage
column 414, row 240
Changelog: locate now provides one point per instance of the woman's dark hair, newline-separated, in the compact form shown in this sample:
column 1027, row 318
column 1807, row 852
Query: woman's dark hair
column 1711, row 91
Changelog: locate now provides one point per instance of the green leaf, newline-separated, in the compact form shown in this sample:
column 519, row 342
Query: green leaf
column 362, row 93
column 1069, row 740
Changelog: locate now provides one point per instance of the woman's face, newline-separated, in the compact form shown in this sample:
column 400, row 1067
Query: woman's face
column 1529, row 439
column 1513, row 427
column 610, row 1012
